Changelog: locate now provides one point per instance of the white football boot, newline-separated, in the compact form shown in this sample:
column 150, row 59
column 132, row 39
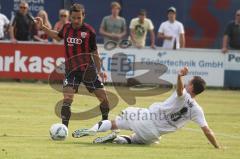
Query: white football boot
column 106, row 139
column 83, row 132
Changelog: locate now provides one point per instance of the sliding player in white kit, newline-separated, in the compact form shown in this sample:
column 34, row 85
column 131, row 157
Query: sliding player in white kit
column 159, row 119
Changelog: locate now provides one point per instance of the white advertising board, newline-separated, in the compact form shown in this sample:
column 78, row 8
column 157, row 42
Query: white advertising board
column 209, row 64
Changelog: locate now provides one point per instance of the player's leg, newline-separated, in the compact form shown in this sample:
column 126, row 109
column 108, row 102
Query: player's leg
column 139, row 121
column 121, row 122
column 113, row 138
column 101, row 126
column 68, row 93
column 122, row 139
column 70, row 86
column 104, row 126
column 118, row 139
column 94, row 85
column 131, row 139
column 104, row 104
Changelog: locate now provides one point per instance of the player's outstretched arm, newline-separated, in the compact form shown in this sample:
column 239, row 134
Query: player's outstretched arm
column 210, row 136
column 180, row 83
column 52, row 33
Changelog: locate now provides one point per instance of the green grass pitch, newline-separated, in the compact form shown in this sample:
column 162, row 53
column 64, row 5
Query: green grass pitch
column 27, row 112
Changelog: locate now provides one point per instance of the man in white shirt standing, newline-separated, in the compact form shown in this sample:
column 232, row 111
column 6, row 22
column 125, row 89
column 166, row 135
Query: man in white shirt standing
column 4, row 24
column 159, row 119
column 139, row 27
column 172, row 31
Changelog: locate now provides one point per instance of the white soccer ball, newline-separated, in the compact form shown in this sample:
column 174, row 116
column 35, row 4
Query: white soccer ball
column 58, row 132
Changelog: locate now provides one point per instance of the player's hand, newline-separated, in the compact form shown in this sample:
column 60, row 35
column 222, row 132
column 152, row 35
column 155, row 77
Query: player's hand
column 224, row 50
column 103, row 76
column 39, row 21
column 183, row 71
column 220, row 146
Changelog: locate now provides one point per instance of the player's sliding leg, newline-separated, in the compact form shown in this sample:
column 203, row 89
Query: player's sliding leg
column 68, row 94
column 101, row 126
column 104, row 105
column 113, row 138
column 119, row 123
column 104, row 126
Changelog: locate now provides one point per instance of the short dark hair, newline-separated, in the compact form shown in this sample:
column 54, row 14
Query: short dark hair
column 199, row 85
column 142, row 12
column 23, row 2
column 76, row 7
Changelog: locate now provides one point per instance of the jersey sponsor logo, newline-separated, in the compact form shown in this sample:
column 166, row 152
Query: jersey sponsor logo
column 178, row 115
column 74, row 41
column 83, row 35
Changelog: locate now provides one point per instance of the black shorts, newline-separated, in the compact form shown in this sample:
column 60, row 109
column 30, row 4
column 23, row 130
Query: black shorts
column 89, row 78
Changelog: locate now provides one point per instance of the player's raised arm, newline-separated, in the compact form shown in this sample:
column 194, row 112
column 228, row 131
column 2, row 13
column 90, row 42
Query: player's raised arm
column 52, row 33
column 210, row 136
column 180, row 83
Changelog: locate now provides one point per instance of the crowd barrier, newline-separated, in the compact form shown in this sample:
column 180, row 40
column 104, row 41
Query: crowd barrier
column 38, row 61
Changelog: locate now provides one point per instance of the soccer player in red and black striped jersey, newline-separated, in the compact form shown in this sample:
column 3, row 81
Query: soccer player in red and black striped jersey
column 82, row 61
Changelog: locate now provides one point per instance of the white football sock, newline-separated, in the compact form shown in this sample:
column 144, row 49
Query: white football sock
column 122, row 140
column 102, row 126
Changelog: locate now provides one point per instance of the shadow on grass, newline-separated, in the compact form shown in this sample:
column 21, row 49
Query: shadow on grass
column 111, row 145
column 164, row 146
column 87, row 144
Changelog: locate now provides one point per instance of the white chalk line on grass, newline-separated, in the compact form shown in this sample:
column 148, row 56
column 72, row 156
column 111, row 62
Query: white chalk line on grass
column 216, row 133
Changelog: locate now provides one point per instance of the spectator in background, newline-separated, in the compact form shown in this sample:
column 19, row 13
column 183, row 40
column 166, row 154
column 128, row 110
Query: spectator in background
column 138, row 30
column 232, row 34
column 63, row 19
column 22, row 27
column 4, row 25
column 172, row 31
column 113, row 27
column 40, row 34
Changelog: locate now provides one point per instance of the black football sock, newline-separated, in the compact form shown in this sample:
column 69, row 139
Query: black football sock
column 104, row 110
column 66, row 111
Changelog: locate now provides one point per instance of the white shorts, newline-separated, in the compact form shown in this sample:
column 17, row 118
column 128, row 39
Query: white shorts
column 139, row 121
